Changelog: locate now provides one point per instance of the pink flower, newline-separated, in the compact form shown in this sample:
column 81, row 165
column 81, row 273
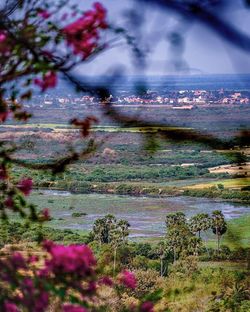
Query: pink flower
column 9, row 202
column 44, row 14
column 49, row 80
column 91, row 287
column 72, row 259
column 128, row 279
column 73, row 308
column 10, row 307
column 28, row 285
column 2, row 37
column 44, row 272
column 4, row 116
column 33, row 259
column 106, row 281
column 83, row 34
column 45, row 214
column 147, row 307
column 18, row 261
column 25, row 186
column 4, row 46
column 41, row 302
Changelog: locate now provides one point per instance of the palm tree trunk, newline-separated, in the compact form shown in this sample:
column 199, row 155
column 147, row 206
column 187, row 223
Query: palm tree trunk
column 114, row 263
column 218, row 241
column 161, row 267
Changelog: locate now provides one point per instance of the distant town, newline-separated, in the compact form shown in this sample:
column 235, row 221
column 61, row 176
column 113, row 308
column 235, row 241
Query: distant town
column 182, row 99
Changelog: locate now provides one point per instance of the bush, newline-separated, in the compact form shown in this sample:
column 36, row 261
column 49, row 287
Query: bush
column 147, row 281
column 184, row 267
column 78, row 214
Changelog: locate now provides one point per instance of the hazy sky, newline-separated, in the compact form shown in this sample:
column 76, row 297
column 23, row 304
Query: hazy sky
column 200, row 49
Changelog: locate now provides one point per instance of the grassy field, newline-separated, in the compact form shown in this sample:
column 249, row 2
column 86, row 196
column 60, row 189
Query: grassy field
column 228, row 183
column 57, row 127
column 232, row 169
column 237, row 235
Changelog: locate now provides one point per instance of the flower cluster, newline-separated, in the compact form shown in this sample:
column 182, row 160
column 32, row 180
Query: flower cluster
column 147, row 307
column 4, row 44
column 128, row 279
column 25, row 186
column 83, row 34
column 74, row 259
column 49, row 80
column 66, row 273
column 44, row 14
column 73, row 308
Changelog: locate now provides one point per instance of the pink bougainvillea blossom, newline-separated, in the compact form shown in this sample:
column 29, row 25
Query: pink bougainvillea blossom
column 17, row 261
column 25, row 186
column 9, row 202
column 75, row 259
column 4, row 116
column 3, row 36
column 49, row 80
column 10, row 307
column 44, row 14
column 147, row 307
column 32, row 259
column 128, row 279
column 45, row 214
column 106, row 281
column 83, row 34
column 5, row 46
column 73, row 308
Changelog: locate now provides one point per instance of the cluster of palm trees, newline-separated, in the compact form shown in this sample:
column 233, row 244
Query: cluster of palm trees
column 183, row 237
column 109, row 230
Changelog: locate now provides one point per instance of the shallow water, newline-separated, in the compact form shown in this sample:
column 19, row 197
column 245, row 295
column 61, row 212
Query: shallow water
column 145, row 215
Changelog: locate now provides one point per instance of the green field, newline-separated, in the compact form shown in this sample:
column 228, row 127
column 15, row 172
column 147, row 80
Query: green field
column 95, row 128
column 228, row 183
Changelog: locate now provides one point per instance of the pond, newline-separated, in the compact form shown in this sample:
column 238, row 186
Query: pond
column 145, row 215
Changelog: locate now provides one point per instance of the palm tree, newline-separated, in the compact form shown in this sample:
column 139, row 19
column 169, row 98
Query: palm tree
column 108, row 230
column 177, row 234
column 194, row 245
column 219, row 226
column 161, row 251
column 199, row 222
column 118, row 236
column 102, row 228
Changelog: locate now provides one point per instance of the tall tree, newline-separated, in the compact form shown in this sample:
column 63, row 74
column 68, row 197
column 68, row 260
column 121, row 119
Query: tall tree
column 219, row 226
column 178, row 233
column 118, row 237
column 194, row 245
column 199, row 222
column 162, row 252
column 109, row 230
column 102, row 228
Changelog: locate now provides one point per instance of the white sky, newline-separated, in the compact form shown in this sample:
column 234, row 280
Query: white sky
column 203, row 51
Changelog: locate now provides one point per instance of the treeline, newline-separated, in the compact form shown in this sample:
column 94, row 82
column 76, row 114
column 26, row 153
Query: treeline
column 120, row 173
column 128, row 173
column 213, row 192
column 17, row 232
